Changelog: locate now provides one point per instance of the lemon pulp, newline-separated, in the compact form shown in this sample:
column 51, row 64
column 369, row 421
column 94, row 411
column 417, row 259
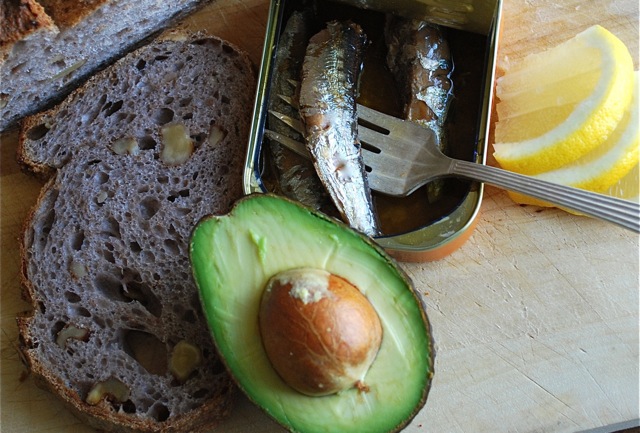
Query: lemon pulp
column 558, row 105
column 601, row 169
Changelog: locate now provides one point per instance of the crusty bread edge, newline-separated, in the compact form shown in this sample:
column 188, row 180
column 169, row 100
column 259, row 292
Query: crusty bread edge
column 26, row 164
column 101, row 416
column 39, row 21
column 72, row 16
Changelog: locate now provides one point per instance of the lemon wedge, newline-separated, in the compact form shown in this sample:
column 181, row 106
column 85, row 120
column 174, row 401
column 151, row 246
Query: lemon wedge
column 558, row 105
column 600, row 169
column 627, row 188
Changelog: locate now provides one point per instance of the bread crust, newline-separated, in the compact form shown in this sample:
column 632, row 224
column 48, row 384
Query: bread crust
column 19, row 19
column 106, row 415
column 67, row 13
column 25, row 161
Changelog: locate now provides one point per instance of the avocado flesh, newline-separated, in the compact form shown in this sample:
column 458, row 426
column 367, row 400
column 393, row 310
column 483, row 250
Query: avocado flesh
column 234, row 256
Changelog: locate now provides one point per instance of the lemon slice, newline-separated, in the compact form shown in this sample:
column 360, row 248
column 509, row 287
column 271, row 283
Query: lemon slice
column 628, row 187
column 602, row 169
column 558, row 105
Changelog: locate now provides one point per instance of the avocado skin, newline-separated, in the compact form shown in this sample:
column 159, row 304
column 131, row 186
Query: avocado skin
column 265, row 206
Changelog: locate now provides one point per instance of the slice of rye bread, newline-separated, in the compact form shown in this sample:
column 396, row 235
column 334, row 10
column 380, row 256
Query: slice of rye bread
column 48, row 47
column 105, row 259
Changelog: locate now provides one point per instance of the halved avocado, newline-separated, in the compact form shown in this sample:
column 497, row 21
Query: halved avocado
column 234, row 256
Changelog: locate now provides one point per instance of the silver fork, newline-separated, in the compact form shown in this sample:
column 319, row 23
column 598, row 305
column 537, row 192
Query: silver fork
column 402, row 156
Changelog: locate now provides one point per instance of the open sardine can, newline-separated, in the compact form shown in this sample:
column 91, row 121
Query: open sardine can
column 439, row 217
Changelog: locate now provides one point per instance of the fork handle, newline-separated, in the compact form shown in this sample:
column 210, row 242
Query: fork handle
column 617, row 211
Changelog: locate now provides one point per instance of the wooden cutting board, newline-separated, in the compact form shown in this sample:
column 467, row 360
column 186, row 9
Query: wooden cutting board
column 535, row 318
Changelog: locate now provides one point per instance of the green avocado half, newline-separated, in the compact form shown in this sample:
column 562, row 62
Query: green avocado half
column 233, row 257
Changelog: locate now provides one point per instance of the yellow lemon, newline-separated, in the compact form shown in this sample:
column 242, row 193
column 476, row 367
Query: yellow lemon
column 602, row 169
column 628, row 187
column 556, row 106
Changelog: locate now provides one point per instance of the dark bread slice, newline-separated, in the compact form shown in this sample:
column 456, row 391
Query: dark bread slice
column 48, row 47
column 105, row 251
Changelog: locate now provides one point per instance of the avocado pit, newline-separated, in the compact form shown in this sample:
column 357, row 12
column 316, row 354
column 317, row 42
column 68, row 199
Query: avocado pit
column 320, row 333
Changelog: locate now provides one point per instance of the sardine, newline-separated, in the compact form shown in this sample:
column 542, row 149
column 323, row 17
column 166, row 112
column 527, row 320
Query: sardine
column 328, row 91
column 418, row 55
column 296, row 175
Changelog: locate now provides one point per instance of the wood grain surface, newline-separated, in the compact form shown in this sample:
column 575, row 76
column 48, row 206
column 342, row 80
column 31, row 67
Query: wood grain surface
column 535, row 318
